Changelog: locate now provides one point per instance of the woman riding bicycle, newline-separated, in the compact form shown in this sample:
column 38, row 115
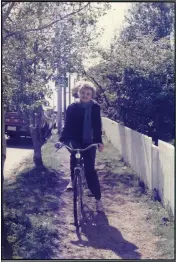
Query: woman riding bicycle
column 83, row 127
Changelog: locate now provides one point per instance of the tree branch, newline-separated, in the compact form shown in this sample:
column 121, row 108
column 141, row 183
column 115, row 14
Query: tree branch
column 7, row 31
column 48, row 25
column 10, row 34
column 5, row 3
column 10, row 19
column 49, row 77
column 58, row 20
column 6, row 15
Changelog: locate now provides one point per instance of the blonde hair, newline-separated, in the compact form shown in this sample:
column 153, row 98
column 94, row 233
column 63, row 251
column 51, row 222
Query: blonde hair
column 84, row 84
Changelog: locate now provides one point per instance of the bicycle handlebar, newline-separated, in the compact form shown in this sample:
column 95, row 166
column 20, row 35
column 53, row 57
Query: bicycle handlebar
column 77, row 150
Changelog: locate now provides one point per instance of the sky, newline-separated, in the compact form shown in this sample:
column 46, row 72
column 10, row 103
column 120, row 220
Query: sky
column 111, row 22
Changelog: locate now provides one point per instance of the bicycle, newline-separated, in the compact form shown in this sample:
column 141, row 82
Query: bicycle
column 79, row 183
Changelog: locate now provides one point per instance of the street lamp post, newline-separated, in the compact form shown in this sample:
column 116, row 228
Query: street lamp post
column 65, row 100
column 59, row 107
column 61, row 83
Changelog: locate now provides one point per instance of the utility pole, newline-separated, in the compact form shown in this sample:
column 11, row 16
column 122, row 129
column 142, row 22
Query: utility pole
column 58, row 86
column 65, row 101
column 59, row 106
column 69, row 87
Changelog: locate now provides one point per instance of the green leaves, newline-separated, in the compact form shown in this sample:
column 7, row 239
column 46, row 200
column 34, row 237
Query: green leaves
column 40, row 37
column 136, row 74
column 149, row 18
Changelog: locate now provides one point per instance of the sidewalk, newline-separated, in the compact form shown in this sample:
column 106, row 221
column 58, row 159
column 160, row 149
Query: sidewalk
column 40, row 214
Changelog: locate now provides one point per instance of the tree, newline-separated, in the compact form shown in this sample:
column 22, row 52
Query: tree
column 155, row 18
column 137, row 72
column 37, row 39
column 138, row 79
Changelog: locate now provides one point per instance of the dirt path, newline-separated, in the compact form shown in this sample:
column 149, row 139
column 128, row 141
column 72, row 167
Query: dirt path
column 41, row 213
column 122, row 232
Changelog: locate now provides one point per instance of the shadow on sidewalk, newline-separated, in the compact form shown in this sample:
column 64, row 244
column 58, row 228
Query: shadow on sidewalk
column 31, row 205
column 121, row 184
column 101, row 235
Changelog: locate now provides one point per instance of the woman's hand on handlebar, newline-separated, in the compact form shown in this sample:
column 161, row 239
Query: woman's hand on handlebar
column 58, row 145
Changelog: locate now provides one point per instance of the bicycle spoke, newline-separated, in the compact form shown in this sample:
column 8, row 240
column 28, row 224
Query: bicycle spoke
column 78, row 207
column 79, row 199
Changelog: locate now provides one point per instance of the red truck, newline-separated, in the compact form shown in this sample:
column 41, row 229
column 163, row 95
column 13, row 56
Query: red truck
column 16, row 125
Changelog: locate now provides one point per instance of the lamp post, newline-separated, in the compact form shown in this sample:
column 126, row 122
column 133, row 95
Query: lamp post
column 65, row 97
column 59, row 106
column 61, row 83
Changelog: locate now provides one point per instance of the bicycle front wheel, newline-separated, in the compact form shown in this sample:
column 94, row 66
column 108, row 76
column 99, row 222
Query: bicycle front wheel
column 77, row 199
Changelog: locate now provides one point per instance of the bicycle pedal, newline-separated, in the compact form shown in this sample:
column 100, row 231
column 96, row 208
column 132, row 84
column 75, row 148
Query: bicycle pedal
column 90, row 195
column 68, row 190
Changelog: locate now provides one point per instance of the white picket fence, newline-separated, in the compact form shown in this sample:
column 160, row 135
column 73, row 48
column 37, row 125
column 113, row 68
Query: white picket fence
column 153, row 164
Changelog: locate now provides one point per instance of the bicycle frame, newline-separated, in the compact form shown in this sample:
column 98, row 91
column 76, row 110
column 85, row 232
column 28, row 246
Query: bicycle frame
column 78, row 184
column 80, row 167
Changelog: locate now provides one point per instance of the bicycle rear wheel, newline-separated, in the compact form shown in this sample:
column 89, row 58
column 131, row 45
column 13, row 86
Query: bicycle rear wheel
column 77, row 199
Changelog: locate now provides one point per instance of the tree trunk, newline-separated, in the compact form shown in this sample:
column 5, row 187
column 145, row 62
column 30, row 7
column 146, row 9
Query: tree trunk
column 6, row 247
column 36, row 135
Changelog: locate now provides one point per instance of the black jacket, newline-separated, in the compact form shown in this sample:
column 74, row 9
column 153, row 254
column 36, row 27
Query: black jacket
column 73, row 128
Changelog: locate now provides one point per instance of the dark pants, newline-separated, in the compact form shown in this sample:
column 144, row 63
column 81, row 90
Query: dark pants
column 89, row 166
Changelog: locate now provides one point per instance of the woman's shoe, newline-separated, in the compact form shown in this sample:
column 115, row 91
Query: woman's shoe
column 70, row 186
